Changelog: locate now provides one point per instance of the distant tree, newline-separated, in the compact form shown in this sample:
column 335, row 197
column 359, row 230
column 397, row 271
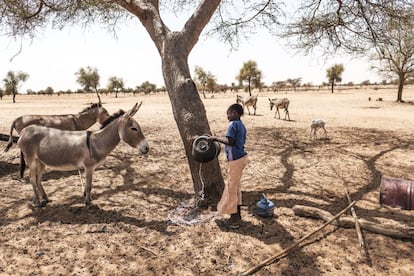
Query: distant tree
column 294, row 82
column 334, row 75
column 394, row 51
column 205, row 80
column 211, row 82
column 49, row 91
column 147, row 87
column 366, row 83
column 12, row 81
column 201, row 78
column 115, row 84
column 278, row 85
column 89, row 79
column 251, row 74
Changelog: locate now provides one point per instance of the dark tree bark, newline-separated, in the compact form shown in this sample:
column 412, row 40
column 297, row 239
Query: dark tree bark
column 401, row 81
column 188, row 109
column 190, row 116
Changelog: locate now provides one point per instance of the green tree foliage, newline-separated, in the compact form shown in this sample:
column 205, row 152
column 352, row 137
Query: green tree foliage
column 115, row 84
column 251, row 75
column 147, row 87
column 11, row 82
column 205, row 80
column 334, row 75
column 211, row 83
column 89, row 80
column 201, row 78
column 49, row 91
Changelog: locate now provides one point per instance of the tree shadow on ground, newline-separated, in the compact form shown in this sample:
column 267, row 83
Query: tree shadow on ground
column 67, row 213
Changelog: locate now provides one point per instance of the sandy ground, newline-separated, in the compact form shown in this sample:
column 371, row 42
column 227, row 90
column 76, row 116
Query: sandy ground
column 128, row 231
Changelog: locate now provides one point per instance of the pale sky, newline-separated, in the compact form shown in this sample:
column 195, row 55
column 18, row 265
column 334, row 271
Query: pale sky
column 52, row 58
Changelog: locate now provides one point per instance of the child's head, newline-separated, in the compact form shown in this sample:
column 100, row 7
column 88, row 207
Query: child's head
column 235, row 111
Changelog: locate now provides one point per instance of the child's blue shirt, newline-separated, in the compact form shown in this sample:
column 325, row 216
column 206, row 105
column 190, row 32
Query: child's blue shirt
column 237, row 131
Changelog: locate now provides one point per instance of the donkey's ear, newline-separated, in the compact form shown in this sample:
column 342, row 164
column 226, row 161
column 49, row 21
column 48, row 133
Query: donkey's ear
column 134, row 110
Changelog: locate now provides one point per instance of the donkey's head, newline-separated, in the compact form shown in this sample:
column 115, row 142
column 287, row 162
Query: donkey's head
column 130, row 131
column 271, row 104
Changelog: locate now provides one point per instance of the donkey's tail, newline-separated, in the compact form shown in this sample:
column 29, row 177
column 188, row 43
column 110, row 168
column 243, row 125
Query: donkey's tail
column 22, row 165
column 10, row 143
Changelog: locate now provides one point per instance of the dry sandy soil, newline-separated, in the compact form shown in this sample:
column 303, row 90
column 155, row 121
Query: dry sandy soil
column 128, row 231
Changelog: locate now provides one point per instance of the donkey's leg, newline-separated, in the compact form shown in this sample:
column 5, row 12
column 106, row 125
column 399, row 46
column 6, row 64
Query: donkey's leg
column 39, row 174
column 33, row 178
column 88, row 186
column 248, row 109
column 278, row 113
column 287, row 114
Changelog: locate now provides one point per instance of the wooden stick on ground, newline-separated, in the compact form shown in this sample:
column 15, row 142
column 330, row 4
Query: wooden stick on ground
column 357, row 226
column 285, row 251
column 354, row 215
column 390, row 230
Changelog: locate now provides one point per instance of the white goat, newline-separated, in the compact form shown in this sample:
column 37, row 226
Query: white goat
column 317, row 124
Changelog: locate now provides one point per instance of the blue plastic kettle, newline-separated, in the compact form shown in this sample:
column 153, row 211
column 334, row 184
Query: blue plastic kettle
column 264, row 207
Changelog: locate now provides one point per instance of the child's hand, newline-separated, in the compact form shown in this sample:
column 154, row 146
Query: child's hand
column 211, row 138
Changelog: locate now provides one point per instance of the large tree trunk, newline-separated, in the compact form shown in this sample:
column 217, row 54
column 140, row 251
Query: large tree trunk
column 190, row 116
column 188, row 109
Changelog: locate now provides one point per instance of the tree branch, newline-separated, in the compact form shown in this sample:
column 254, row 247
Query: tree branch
column 38, row 10
column 196, row 23
column 148, row 13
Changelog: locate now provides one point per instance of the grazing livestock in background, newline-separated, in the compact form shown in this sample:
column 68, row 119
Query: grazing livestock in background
column 247, row 101
column 64, row 150
column 80, row 121
column 280, row 103
column 317, row 124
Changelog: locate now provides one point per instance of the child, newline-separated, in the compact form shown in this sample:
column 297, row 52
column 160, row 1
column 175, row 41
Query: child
column 234, row 141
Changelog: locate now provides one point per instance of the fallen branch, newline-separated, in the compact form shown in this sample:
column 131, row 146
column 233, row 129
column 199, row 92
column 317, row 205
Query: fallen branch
column 354, row 215
column 348, row 222
column 286, row 251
